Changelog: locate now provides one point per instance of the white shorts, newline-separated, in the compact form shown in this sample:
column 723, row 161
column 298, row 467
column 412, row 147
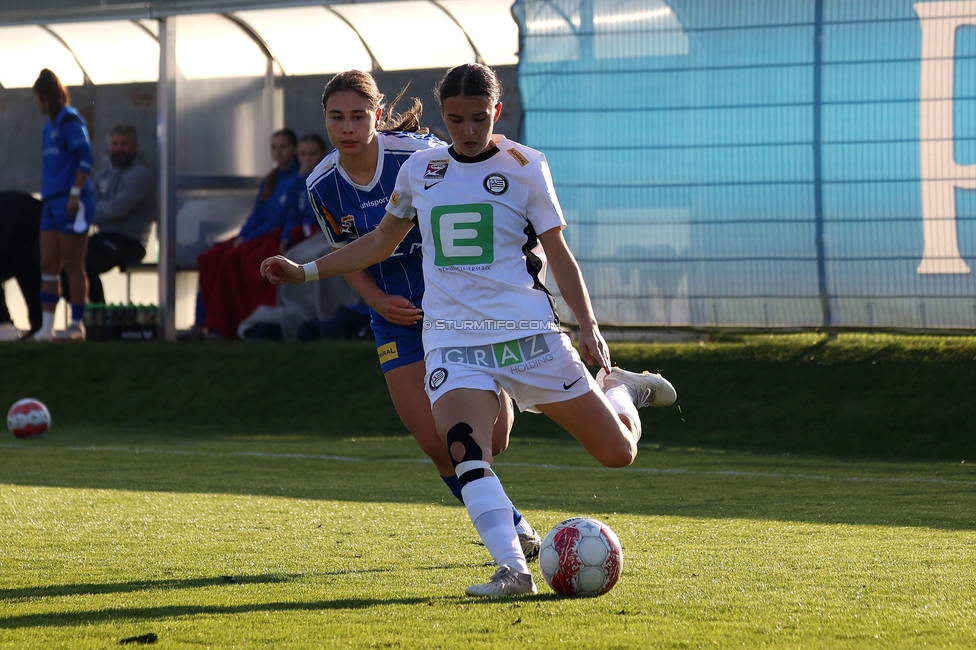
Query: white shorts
column 538, row 369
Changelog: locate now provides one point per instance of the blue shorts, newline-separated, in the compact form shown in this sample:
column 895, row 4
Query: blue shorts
column 54, row 215
column 398, row 345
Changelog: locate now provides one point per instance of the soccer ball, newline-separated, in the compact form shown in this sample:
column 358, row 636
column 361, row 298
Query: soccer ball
column 581, row 557
column 28, row 417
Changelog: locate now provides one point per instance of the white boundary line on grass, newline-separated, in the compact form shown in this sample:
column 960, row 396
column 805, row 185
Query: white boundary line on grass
column 642, row 470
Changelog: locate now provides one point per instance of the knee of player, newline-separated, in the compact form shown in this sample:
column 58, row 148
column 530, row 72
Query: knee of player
column 498, row 446
column 621, row 454
column 467, row 455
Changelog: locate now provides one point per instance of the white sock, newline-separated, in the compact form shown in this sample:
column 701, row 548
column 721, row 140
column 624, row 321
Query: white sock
column 491, row 513
column 498, row 533
column 47, row 322
column 622, row 402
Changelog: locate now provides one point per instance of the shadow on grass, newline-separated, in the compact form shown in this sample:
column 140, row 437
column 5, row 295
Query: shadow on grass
column 142, row 614
column 56, row 591
column 53, row 591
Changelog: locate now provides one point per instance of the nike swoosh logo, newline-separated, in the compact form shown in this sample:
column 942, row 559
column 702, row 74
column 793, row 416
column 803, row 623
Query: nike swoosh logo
column 427, row 186
column 568, row 386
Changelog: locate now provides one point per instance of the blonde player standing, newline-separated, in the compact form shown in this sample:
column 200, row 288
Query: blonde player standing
column 489, row 322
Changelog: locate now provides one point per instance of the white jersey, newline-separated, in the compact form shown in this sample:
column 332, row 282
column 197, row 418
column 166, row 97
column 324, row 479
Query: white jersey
column 479, row 219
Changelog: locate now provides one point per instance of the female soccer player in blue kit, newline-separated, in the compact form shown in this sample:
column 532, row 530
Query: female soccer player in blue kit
column 69, row 205
column 349, row 191
column 481, row 207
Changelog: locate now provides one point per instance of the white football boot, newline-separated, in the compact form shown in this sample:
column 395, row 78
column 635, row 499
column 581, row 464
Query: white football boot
column 72, row 332
column 506, row 582
column 647, row 388
column 41, row 336
column 8, row 332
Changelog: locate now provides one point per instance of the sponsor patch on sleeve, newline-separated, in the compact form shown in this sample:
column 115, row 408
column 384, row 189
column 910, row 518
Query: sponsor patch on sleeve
column 395, row 199
column 517, row 155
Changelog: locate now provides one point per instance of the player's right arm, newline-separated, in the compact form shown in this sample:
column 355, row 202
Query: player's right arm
column 372, row 248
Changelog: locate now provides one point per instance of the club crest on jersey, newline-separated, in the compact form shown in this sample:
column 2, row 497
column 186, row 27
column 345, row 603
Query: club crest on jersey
column 348, row 225
column 437, row 378
column 496, row 184
column 436, row 170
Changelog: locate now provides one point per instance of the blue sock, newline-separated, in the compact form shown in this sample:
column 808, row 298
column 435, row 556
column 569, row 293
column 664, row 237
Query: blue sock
column 77, row 313
column 201, row 312
column 454, row 485
column 516, row 515
column 50, row 298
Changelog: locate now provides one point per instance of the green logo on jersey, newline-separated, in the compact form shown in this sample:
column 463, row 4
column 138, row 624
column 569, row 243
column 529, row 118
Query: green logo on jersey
column 507, row 353
column 464, row 235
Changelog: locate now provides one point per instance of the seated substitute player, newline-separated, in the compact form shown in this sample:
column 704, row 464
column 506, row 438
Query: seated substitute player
column 229, row 288
column 125, row 209
column 300, row 220
column 349, row 191
column 481, row 207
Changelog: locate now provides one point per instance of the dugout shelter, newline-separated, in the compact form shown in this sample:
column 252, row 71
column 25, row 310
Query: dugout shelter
column 206, row 83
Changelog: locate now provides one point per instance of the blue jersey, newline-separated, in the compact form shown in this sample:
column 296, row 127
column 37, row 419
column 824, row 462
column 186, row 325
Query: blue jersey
column 67, row 149
column 299, row 212
column 270, row 213
column 346, row 211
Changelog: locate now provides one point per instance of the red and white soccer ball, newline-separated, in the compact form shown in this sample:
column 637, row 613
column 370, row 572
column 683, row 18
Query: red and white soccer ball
column 581, row 557
column 28, row 417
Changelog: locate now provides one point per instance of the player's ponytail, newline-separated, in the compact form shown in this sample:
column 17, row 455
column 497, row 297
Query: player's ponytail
column 407, row 121
column 49, row 88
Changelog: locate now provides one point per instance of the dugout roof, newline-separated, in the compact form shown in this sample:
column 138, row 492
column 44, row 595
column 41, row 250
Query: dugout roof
column 114, row 42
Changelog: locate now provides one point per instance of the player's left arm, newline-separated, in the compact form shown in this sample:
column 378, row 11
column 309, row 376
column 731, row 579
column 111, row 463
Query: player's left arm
column 592, row 346
column 76, row 137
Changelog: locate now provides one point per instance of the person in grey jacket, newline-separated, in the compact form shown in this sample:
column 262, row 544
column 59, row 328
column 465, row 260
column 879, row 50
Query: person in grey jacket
column 125, row 209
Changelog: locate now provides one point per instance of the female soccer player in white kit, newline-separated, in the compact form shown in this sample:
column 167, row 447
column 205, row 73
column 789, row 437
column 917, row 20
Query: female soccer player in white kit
column 489, row 322
column 348, row 191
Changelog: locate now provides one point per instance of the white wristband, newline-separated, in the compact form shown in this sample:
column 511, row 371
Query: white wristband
column 75, row 191
column 311, row 271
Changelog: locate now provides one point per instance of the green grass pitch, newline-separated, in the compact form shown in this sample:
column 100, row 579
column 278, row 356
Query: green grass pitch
column 805, row 492
column 295, row 541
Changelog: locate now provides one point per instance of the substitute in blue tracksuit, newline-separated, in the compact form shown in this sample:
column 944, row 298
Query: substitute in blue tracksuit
column 69, row 205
